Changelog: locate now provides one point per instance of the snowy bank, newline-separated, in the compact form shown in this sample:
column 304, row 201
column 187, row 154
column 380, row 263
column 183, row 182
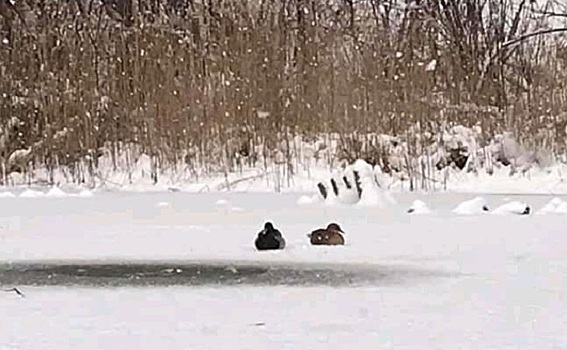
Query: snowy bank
column 456, row 162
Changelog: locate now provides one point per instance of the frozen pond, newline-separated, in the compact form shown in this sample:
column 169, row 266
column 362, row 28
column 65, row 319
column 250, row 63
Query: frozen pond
column 179, row 271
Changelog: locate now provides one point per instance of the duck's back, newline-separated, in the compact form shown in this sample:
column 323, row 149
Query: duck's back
column 327, row 237
column 269, row 241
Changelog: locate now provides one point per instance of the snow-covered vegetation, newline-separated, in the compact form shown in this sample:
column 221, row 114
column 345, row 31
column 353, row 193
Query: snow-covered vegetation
column 216, row 95
column 501, row 165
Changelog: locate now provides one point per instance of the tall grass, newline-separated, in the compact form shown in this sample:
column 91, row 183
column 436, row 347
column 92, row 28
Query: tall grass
column 218, row 85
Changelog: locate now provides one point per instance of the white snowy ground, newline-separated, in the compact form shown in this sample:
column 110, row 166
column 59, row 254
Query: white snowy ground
column 505, row 285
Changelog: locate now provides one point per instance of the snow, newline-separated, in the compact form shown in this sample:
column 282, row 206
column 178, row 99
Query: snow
column 222, row 203
column 473, row 206
column 85, row 194
column 512, row 207
column 6, row 194
column 307, row 200
column 318, row 160
column 476, row 281
column 554, row 206
column 430, row 67
column 440, row 317
column 10, row 223
column 29, row 193
column 56, row 192
column 371, row 194
column 419, row 207
column 226, row 206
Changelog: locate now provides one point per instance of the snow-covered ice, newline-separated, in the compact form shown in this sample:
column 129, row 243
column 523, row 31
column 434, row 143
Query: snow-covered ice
column 490, row 281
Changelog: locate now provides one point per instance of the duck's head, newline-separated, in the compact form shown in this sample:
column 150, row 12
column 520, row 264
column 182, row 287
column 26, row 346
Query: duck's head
column 334, row 227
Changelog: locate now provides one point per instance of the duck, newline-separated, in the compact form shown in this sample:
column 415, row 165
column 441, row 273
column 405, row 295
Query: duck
column 332, row 235
column 269, row 238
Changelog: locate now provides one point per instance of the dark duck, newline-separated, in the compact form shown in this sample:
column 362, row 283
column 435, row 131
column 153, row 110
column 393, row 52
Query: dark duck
column 332, row 235
column 269, row 238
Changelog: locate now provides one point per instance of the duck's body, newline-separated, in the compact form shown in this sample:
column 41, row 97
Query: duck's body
column 332, row 235
column 269, row 238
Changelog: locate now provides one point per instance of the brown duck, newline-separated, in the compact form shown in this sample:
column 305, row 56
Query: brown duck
column 332, row 235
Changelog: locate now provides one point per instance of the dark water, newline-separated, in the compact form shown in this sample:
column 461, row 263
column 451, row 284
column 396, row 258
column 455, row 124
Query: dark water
column 199, row 274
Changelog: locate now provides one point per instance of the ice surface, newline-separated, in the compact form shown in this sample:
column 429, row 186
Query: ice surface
column 501, row 285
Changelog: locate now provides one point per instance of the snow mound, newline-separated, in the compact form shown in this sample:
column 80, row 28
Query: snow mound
column 307, row 200
column 7, row 195
column 163, row 204
column 371, row 194
column 332, row 201
column 56, row 192
column 562, row 208
column 554, row 206
column 222, row 203
column 419, row 207
column 348, row 196
column 473, row 206
column 513, row 207
column 29, row 193
column 85, row 194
